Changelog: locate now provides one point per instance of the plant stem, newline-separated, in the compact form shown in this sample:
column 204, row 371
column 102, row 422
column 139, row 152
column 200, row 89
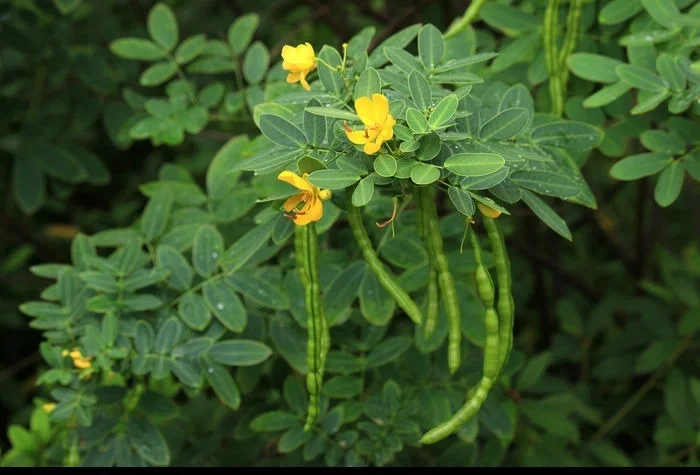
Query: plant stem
column 648, row 386
column 469, row 16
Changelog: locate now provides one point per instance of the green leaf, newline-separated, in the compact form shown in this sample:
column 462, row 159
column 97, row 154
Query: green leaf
column 293, row 439
column 168, row 335
column 546, row 183
column 363, row 192
column 424, row 174
column 677, row 399
column 607, row 453
column 275, row 421
column 420, row 90
column 404, row 251
column 376, row 305
column 655, row 355
column 567, row 134
column 28, row 184
column 606, row 95
column 258, row 290
column 641, row 78
column 618, row 11
column 474, row 164
column 388, row 350
column 431, row 46
column 241, row 32
column 239, row 352
column 242, row 250
column 281, row 131
column 157, row 74
column 67, row 6
column 142, row 302
column 662, row 142
column 22, row 439
column 668, row 186
column 509, row 19
column 385, row 165
column 219, row 180
column 225, row 304
column 330, row 78
column 670, row 71
column 546, row 214
column 342, row 291
column 157, row 214
column 343, row 387
column 400, row 39
column 181, row 273
column 194, row 312
column 462, row 201
column 60, row 163
column 484, row 182
column 533, row 371
column 148, row 441
column 136, row 49
column 315, row 127
column 223, row 385
column 100, row 281
column 406, row 62
column 416, row 120
column 333, row 179
column 162, row 26
column 207, row 249
column 369, row 83
column 664, row 12
column 638, row 166
column 649, row 101
column 505, row 125
column 594, row 67
column 444, row 111
column 290, row 342
column 255, row 62
column 190, row 48
column 333, row 113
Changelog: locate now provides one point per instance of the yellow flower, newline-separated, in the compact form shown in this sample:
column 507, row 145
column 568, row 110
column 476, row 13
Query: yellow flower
column 48, row 407
column 310, row 198
column 299, row 61
column 379, row 124
column 79, row 361
column 487, row 211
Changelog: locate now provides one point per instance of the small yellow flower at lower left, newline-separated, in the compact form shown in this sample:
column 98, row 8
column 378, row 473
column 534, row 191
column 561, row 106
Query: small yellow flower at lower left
column 299, row 61
column 48, row 407
column 307, row 205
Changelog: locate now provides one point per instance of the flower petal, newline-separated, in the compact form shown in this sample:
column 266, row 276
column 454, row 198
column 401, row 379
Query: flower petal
column 292, row 202
column 295, row 180
column 365, row 109
column 302, row 80
column 357, row 137
column 289, row 53
column 372, row 147
column 380, row 105
column 314, row 213
column 293, row 77
column 387, row 132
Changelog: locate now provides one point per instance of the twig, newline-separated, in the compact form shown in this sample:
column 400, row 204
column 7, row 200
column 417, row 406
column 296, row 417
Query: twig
column 648, row 386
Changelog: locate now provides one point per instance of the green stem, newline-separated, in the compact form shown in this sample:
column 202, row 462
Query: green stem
column 573, row 24
column 469, row 16
column 648, row 386
column 549, row 37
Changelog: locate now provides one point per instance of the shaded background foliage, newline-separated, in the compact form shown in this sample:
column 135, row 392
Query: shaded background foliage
column 608, row 310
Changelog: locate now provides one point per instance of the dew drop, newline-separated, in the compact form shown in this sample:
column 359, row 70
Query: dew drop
column 214, row 255
column 219, row 306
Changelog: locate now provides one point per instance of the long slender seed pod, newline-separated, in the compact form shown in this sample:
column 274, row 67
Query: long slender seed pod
column 433, row 237
column 306, row 244
column 465, row 413
column 386, row 280
column 477, row 395
column 505, row 305
column 432, row 314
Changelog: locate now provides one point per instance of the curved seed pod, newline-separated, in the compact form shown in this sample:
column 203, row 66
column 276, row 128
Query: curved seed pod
column 386, row 280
